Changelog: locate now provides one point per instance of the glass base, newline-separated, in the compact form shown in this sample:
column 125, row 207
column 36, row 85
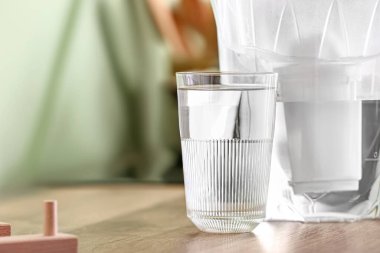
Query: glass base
column 223, row 224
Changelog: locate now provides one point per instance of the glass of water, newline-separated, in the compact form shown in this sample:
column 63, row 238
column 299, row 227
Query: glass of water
column 226, row 123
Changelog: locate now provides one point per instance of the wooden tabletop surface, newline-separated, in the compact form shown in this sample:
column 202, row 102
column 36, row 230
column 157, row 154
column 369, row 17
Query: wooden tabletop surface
column 151, row 218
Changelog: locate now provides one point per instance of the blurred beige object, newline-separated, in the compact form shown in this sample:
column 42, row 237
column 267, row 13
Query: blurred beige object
column 190, row 31
column 166, row 24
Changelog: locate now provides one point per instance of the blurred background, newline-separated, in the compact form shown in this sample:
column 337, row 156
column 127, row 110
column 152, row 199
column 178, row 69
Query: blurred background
column 87, row 87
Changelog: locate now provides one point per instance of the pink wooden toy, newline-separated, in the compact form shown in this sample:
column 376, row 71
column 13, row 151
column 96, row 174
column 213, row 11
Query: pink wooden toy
column 49, row 242
column 5, row 229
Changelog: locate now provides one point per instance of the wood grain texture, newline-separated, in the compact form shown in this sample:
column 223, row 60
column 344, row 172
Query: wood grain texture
column 152, row 218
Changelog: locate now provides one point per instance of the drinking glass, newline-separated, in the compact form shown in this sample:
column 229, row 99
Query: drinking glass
column 226, row 124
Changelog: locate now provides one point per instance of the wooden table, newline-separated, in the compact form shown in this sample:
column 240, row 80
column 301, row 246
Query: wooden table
column 151, row 218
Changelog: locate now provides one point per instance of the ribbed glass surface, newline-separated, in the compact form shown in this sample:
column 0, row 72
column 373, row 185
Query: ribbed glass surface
column 226, row 183
column 226, row 122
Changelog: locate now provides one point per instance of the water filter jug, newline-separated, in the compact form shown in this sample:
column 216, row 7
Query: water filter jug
column 327, row 135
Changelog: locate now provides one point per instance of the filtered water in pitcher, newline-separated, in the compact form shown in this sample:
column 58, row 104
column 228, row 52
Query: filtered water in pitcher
column 327, row 136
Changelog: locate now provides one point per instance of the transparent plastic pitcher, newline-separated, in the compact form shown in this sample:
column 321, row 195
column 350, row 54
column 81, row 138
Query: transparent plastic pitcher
column 327, row 135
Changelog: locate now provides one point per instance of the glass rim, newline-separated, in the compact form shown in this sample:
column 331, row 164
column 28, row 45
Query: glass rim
column 226, row 73
column 214, row 80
